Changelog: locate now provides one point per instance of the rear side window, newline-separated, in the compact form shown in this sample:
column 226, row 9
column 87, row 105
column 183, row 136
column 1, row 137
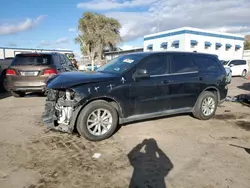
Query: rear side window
column 208, row 64
column 183, row 64
column 32, row 59
column 241, row 62
column 56, row 60
column 62, row 60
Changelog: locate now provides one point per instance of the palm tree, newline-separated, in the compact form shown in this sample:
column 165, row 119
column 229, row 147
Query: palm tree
column 98, row 32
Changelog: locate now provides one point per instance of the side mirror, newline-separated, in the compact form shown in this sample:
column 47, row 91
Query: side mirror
column 231, row 65
column 142, row 73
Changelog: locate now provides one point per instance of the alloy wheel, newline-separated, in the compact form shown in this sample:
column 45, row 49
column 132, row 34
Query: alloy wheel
column 208, row 106
column 99, row 122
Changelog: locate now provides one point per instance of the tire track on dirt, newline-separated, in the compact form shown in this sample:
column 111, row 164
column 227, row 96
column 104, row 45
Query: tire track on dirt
column 64, row 160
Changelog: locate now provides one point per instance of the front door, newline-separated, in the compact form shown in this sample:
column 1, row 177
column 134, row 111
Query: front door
column 150, row 94
column 185, row 81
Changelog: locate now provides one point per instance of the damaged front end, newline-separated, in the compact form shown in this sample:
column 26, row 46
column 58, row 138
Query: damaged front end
column 59, row 112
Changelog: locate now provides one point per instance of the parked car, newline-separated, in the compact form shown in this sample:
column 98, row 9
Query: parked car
column 89, row 67
column 28, row 72
column 4, row 64
column 239, row 67
column 135, row 87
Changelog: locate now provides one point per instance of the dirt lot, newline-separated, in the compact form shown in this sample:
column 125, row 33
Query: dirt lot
column 180, row 151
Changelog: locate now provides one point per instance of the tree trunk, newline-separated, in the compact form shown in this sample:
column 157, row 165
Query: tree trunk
column 92, row 64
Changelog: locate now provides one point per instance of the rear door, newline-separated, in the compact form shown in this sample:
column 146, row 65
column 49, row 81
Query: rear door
column 184, row 81
column 242, row 66
column 150, row 95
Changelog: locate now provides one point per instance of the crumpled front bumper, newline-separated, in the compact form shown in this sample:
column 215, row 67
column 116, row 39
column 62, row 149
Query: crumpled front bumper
column 50, row 116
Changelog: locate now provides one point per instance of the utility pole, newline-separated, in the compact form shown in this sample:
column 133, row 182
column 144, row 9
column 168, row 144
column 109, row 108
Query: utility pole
column 158, row 22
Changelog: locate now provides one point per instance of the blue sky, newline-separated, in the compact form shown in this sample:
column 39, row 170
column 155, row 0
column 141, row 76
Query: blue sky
column 53, row 24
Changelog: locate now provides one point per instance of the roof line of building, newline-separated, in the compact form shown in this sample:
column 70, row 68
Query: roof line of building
column 122, row 51
column 35, row 49
column 192, row 31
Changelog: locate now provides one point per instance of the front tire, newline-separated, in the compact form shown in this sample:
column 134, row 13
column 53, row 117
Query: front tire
column 17, row 94
column 205, row 106
column 244, row 73
column 97, row 121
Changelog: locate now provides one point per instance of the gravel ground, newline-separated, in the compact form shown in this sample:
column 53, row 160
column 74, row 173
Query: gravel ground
column 176, row 152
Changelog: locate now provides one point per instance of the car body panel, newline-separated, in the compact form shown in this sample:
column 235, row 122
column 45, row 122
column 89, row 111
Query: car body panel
column 70, row 79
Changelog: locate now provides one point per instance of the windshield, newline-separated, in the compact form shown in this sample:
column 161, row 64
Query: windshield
column 224, row 62
column 32, row 59
column 121, row 63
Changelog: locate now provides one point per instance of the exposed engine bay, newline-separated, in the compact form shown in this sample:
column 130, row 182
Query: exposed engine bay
column 59, row 108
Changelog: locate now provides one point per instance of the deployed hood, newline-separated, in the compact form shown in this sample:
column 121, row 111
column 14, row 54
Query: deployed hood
column 69, row 79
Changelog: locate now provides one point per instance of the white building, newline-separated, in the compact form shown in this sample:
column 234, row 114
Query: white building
column 226, row 46
column 6, row 52
column 247, row 55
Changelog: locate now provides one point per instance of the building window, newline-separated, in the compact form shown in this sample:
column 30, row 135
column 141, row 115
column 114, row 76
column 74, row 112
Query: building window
column 193, row 43
column 175, row 44
column 207, row 45
column 164, row 45
column 237, row 47
column 228, row 46
column 150, row 47
column 218, row 45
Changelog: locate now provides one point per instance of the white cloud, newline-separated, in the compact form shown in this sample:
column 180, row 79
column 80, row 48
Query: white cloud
column 224, row 15
column 72, row 29
column 62, row 40
column 45, row 43
column 113, row 4
column 54, row 43
column 7, row 28
column 12, row 44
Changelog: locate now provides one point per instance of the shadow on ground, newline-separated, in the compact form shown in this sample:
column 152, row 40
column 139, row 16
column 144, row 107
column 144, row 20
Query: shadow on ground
column 150, row 165
column 246, row 149
column 244, row 125
column 4, row 95
column 245, row 86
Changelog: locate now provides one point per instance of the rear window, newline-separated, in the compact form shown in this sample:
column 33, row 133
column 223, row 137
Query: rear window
column 32, row 59
column 208, row 64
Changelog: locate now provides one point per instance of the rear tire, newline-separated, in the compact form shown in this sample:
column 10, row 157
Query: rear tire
column 107, row 126
column 244, row 73
column 2, row 82
column 17, row 94
column 205, row 106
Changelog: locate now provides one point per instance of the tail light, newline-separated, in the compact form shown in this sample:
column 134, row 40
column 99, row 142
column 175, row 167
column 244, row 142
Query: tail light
column 10, row 72
column 49, row 72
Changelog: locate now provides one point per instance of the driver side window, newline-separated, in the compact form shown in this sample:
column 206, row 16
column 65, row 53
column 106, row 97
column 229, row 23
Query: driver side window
column 156, row 65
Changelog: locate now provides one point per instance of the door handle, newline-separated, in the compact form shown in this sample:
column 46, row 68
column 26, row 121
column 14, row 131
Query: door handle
column 166, row 81
column 200, row 78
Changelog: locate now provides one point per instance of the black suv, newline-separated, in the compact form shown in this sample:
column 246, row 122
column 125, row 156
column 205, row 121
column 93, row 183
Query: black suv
column 134, row 87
